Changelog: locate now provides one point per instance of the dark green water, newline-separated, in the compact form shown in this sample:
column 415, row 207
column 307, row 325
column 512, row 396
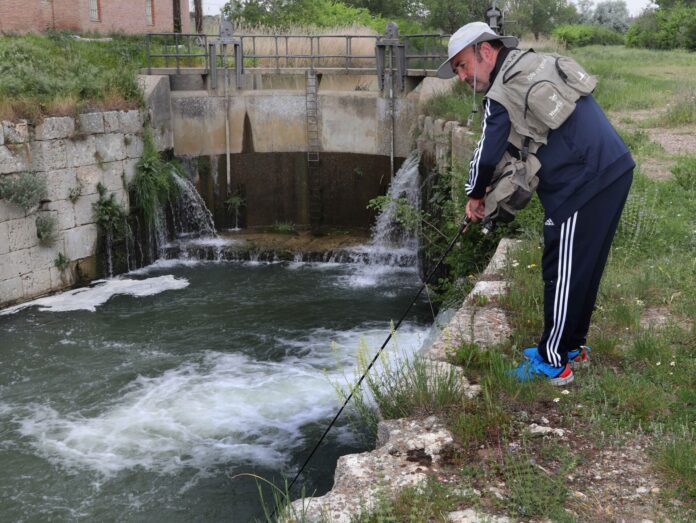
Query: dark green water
column 148, row 407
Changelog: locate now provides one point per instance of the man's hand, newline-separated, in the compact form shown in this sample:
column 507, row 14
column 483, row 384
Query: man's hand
column 476, row 209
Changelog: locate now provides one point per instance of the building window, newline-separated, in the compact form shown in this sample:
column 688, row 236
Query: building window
column 149, row 17
column 94, row 10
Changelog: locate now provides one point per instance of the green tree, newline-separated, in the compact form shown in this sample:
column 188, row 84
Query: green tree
column 541, row 16
column 450, row 15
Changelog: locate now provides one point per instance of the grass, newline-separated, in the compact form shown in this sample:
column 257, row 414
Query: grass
column 55, row 74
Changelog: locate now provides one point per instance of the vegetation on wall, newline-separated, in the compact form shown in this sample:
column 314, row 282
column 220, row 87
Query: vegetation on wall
column 26, row 190
column 154, row 184
column 46, row 229
column 110, row 215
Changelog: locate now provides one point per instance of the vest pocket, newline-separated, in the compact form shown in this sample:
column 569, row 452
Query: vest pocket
column 546, row 106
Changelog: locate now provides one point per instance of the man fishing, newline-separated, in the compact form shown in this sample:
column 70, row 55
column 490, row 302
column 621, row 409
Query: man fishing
column 539, row 107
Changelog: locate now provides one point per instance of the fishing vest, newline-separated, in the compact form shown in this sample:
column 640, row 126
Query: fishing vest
column 539, row 92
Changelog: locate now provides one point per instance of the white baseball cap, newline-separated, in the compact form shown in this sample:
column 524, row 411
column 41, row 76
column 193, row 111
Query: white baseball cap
column 467, row 35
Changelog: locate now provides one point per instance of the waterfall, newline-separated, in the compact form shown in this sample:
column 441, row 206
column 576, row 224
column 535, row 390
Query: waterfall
column 388, row 233
column 191, row 217
column 393, row 243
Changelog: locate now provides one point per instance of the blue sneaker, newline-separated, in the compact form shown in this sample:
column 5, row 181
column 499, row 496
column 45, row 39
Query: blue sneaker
column 534, row 369
column 577, row 358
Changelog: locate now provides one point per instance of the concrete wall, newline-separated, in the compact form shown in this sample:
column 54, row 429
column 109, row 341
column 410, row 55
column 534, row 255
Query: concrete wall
column 22, row 16
column 275, row 121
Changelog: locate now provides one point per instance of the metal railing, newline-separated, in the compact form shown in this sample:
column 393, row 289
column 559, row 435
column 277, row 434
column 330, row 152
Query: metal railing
column 179, row 49
column 175, row 50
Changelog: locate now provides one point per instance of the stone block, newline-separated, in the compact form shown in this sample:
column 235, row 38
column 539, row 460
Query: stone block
column 438, row 127
column 10, row 290
column 163, row 138
column 130, row 121
column 55, row 128
column 113, row 176
column 84, row 209
column 14, row 264
column 462, row 146
column 428, row 126
column 13, row 159
column 89, row 177
column 82, row 152
column 36, row 283
column 4, row 238
column 81, row 242
column 61, row 279
column 10, row 211
column 22, row 233
column 91, row 123
column 44, row 257
column 64, row 213
column 134, row 145
column 50, row 155
column 16, row 132
column 109, row 147
column 129, row 170
column 111, row 124
column 59, row 183
column 122, row 198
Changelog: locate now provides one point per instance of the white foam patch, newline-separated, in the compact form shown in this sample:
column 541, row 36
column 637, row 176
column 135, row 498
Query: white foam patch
column 89, row 298
column 223, row 408
column 167, row 264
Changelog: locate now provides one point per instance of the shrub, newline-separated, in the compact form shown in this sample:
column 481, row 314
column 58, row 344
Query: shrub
column 154, row 184
column 111, row 216
column 580, row 35
column 664, row 29
column 27, row 190
column 46, row 229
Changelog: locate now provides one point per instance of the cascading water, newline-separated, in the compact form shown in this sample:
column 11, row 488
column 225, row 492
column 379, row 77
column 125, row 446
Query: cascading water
column 393, row 243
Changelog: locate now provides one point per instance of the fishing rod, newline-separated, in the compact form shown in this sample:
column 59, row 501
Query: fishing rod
column 462, row 229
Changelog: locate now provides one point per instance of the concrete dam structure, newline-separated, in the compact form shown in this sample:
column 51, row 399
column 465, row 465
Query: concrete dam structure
column 307, row 144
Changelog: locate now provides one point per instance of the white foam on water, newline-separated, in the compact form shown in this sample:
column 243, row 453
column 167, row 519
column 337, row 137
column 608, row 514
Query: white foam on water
column 89, row 298
column 221, row 408
column 165, row 264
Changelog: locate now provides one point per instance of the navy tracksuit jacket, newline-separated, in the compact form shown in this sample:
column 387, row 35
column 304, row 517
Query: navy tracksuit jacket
column 586, row 173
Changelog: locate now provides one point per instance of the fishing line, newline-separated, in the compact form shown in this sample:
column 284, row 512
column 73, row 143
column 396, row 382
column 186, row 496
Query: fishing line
column 462, row 230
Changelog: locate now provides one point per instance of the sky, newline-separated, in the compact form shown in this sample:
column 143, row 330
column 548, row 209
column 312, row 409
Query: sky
column 212, row 7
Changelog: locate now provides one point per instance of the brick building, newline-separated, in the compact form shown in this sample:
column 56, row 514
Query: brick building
column 99, row 16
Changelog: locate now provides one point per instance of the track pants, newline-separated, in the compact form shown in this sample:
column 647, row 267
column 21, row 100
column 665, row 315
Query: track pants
column 575, row 253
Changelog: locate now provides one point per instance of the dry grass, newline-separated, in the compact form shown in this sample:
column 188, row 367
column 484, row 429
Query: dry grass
column 295, row 46
column 545, row 44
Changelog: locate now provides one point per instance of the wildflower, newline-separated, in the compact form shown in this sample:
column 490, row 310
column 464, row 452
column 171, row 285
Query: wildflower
column 672, row 363
column 556, row 400
column 531, row 265
column 658, row 363
column 565, row 392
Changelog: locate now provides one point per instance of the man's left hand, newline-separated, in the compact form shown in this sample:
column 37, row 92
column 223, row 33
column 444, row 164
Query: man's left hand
column 476, row 209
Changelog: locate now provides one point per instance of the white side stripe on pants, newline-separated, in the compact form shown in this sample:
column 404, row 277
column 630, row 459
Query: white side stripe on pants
column 560, row 304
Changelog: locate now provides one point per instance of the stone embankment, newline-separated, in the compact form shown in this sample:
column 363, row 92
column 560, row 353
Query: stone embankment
column 410, row 450
column 72, row 155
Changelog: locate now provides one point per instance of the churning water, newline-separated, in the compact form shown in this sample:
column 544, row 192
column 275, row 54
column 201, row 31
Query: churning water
column 144, row 397
column 141, row 399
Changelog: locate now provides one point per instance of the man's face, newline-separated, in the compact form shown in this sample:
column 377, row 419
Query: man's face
column 466, row 63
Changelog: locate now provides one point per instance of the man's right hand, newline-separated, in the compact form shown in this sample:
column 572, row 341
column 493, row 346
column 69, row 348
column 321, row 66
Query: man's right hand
column 476, row 209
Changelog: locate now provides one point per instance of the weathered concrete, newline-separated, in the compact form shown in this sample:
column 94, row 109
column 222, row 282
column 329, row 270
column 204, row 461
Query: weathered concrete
column 357, row 122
